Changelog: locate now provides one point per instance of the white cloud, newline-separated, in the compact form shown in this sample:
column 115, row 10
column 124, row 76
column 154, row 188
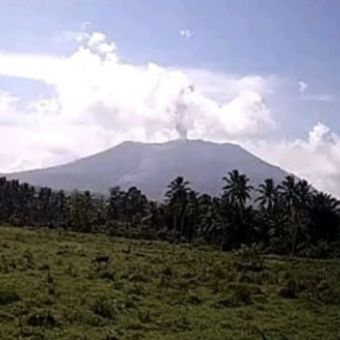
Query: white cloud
column 100, row 101
column 316, row 158
column 317, row 97
column 36, row 67
column 7, row 102
column 302, row 86
column 186, row 33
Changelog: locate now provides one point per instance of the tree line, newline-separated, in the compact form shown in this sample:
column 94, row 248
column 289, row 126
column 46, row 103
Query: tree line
column 289, row 218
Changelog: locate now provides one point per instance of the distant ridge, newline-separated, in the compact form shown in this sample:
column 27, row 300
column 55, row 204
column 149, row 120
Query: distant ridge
column 151, row 166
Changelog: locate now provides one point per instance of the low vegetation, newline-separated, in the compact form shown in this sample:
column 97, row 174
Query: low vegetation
column 65, row 285
column 253, row 263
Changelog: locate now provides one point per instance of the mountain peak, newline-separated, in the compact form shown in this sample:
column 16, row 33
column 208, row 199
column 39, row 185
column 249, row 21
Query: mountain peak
column 178, row 142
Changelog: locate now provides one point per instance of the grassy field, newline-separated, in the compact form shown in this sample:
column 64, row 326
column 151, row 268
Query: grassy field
column 75, row 286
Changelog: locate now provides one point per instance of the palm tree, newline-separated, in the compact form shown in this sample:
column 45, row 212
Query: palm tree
column 234, row 213
column 177, row 197
column 81, row 211
column 237, row 190
column 296, row 196
column 136, row 204
column 303, row 193
column 326, row 200
column 268, row 194
column 288, row 191
column 115, row 204
column 325, row 217
column 192, row 212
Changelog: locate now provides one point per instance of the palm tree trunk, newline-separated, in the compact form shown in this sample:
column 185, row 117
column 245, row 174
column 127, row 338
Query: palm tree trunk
column 175, row 223
column 294, row 239
column 294, row 230
column 182, row 223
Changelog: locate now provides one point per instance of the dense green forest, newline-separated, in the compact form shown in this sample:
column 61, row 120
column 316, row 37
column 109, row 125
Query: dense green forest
column 288, row 218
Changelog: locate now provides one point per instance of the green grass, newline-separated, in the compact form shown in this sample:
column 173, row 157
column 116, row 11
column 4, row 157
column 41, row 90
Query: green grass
column 54, row 286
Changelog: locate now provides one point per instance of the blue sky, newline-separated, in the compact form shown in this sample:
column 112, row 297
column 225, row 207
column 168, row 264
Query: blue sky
column 286, row 37
column 292, row 39
column 288, row 49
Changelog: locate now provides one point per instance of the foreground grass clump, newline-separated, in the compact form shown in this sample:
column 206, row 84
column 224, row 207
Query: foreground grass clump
column 59, row 285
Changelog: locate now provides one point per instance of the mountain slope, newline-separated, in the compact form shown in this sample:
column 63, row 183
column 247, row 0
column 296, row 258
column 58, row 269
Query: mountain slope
column 152, row 166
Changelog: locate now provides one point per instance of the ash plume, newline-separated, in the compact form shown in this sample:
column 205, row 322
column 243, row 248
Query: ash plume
column 181, row 111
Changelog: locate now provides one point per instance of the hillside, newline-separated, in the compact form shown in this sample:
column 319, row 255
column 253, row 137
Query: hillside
column 58, row 285
column 151, row 167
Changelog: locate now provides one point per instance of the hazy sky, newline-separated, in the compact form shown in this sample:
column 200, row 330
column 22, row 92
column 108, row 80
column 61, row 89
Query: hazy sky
column 77, row 77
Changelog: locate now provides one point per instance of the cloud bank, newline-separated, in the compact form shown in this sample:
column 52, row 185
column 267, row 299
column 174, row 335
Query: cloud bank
column 98, row 100
column 316, row 158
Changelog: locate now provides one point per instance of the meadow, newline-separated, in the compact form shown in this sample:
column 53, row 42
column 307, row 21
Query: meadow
column 66, row 285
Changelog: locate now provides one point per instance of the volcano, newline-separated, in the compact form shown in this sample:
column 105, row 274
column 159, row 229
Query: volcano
column 151, row 167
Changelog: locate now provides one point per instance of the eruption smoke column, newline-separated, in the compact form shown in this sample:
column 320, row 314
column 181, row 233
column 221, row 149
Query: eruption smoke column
column 181, row 109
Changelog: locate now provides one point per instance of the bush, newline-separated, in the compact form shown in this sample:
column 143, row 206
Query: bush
column 238, row 294
column 42, row 318
column 310, row 286
column 249, row 258
column 167, row 271
column 289, row 290
column 242, row 294
column 112, row 335
column 194, row 299
column 104, row 306
column 292, row 288
column 8, row 296
column 327, row 294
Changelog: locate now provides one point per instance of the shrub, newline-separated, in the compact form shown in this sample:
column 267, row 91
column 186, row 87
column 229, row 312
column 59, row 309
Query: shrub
column 291, row 289
column 328, row 294
column 246, row 278
column 238, row 294
column 107, row 275
column 144, row 317
column 194, row 299
column 104, row 306
column 167, row 271
column 8, row 296
column 242, row 294
column 218, row 271
column 249, row 258
column 225, row 302
column 112, row 335
column 42, row 318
